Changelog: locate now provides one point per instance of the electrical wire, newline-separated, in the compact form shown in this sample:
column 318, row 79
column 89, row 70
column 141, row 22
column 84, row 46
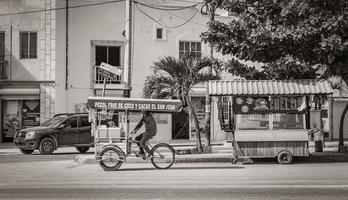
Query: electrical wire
column 170, row 27
column 163, row 7
column 186, row 1
column 63, row 8
column 178, row 16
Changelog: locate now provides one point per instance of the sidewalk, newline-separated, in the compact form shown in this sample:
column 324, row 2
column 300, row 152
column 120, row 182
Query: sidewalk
column 221, row 152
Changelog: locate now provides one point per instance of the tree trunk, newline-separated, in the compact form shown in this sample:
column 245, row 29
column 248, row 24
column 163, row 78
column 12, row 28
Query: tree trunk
column 207, row 99
column 198, row 133
column 341, row 139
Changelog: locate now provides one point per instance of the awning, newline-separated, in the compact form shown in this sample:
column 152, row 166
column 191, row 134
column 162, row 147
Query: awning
column 20, row 91
column 269, row 87
column 135, row 105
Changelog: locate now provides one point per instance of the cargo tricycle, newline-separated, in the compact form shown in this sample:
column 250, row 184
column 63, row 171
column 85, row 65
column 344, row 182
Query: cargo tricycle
column 113, row 144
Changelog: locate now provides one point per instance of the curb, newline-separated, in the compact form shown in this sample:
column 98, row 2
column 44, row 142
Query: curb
column 213, row 157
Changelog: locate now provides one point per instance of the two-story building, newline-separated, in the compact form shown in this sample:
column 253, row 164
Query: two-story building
column 50, row 51
column 89, row 35
column 27, row 64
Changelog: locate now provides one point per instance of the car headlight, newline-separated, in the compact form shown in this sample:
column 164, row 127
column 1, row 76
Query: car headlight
column 30, row 134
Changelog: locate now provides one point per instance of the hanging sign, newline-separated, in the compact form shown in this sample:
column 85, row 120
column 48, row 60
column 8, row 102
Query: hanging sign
column 109, row 71
column 132, row 104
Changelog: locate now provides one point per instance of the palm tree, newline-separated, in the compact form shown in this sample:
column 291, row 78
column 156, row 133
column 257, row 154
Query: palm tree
column 174, row 78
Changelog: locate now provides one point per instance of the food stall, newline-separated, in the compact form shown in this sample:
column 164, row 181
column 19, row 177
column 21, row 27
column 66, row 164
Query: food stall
column 267, row 118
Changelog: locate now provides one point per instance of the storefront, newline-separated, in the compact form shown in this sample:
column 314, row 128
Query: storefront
column 265, row 116
column 20, row 108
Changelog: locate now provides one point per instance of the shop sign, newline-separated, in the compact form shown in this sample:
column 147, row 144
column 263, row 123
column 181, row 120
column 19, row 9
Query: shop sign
column 109, row 71
column 31, row 114
column 247, row 105
column 129, row 104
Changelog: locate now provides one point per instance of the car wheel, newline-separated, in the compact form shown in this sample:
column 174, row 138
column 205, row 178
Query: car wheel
column 284, row 157
column 46, row 146
column 82, row 149
column 25, row 151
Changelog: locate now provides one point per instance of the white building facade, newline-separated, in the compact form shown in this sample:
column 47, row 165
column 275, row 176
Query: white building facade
column 27, row 64
column 74, row 36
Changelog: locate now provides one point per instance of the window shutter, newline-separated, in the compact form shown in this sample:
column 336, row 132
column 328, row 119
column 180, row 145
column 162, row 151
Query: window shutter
column 24, row 45
column 33, row 45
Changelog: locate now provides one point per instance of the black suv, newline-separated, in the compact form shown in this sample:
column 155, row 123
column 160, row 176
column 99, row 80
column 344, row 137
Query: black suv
column 61, row 130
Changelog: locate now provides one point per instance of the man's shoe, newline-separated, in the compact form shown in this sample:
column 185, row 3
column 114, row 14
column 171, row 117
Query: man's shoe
column 141, row 155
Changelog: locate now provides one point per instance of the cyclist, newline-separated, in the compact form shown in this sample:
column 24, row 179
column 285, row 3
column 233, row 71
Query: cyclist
column 150, row 131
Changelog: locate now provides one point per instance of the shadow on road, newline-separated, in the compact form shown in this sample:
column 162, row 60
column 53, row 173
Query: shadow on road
column 183, row 168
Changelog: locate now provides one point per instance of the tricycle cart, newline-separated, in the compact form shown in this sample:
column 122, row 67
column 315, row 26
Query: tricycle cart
column 114, row 144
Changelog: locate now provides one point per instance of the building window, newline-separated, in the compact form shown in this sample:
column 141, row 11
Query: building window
column 28, row 45
column 2, row 46
column 110, row 55
column 190, row 47
column 159, row 33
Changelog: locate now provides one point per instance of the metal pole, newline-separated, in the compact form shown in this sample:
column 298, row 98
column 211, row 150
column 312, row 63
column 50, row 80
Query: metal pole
column 66, row 43
column 104, row 87
column 10, row 67
column 128, row 144
column 128, row 45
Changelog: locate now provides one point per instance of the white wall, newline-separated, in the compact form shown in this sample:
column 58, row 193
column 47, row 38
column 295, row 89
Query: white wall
column 106, row 22
column 100, row 22
column 21, row 69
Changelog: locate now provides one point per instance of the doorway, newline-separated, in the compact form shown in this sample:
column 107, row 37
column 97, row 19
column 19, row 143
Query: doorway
column 180, row 125
column 19, row 114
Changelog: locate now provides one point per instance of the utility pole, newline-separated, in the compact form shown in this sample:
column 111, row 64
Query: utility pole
column 211, row 7
column 66, row 44
column 128, row 49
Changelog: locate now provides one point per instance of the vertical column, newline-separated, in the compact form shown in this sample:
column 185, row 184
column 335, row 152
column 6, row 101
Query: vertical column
column 128, row 46
column 47, row 39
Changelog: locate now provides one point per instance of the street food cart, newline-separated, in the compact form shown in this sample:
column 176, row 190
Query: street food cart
column 268, row 118
column 113, row 142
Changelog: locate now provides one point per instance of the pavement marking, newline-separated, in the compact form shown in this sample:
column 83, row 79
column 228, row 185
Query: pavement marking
column 38, row 186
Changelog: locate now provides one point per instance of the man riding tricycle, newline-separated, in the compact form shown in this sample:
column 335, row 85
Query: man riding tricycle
column 113, row 144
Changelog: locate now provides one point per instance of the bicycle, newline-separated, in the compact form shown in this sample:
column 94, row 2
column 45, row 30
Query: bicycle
column 111, row 156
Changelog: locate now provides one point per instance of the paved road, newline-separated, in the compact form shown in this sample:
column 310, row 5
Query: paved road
column 59, row 180
column 14, row 155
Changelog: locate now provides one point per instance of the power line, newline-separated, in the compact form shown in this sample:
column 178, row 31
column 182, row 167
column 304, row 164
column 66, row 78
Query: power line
column 150, row 17
column 186, row 1
column 63, row 8
column 186, row 19
column 164, row 7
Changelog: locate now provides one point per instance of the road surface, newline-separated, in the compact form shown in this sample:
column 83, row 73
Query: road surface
column 58, row 178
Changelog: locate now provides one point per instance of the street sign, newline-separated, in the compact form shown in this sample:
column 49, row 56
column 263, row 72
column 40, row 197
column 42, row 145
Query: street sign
column 109, row 71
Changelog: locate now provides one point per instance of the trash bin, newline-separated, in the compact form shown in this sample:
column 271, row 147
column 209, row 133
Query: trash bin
column 318, row 141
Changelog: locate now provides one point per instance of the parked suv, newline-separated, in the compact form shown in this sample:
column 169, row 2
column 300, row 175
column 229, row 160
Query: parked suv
column 61, row 130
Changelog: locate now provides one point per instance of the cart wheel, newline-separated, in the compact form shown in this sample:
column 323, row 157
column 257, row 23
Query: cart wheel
column 110, row 158
column 284, row 157
column 234, row 161
column 163, row 156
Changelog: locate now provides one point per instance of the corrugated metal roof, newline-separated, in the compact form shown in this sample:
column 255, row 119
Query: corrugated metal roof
column 269, row 87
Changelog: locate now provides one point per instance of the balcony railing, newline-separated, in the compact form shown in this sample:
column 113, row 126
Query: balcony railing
column 99, row 78
column 3, row 69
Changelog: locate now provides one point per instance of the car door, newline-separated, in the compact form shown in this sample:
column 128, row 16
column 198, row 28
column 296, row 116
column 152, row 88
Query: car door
column 68, row 134
column 85, row 136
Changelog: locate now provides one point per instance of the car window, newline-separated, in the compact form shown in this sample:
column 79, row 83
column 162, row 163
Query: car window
column 55, row 121
column 71, row 122
column 85, row 122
